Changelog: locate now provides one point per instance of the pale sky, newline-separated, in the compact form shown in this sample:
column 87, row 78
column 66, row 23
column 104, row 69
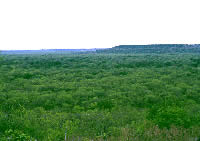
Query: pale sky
column 51, row 24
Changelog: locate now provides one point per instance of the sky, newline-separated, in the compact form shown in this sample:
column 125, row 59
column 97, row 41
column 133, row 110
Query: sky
column 74, row 24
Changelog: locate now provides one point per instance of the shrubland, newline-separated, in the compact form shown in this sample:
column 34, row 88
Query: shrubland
column 100, row 96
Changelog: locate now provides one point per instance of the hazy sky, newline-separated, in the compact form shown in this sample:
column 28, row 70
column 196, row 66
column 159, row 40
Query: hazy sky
column 42, row 24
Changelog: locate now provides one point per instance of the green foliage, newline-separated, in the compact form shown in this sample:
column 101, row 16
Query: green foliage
column 166, row 116
column 16, row 135
column 99, row 96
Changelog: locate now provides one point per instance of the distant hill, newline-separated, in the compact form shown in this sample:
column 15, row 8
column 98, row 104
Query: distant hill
column 154, row 48
column 121, row 49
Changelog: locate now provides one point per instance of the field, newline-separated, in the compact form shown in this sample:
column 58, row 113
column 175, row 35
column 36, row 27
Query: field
column 100, row 96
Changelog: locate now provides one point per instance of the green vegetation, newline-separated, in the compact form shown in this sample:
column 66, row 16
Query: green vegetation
column 100, row 96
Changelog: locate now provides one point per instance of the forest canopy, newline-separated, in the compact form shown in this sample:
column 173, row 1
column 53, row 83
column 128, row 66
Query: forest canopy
column 99, row 95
